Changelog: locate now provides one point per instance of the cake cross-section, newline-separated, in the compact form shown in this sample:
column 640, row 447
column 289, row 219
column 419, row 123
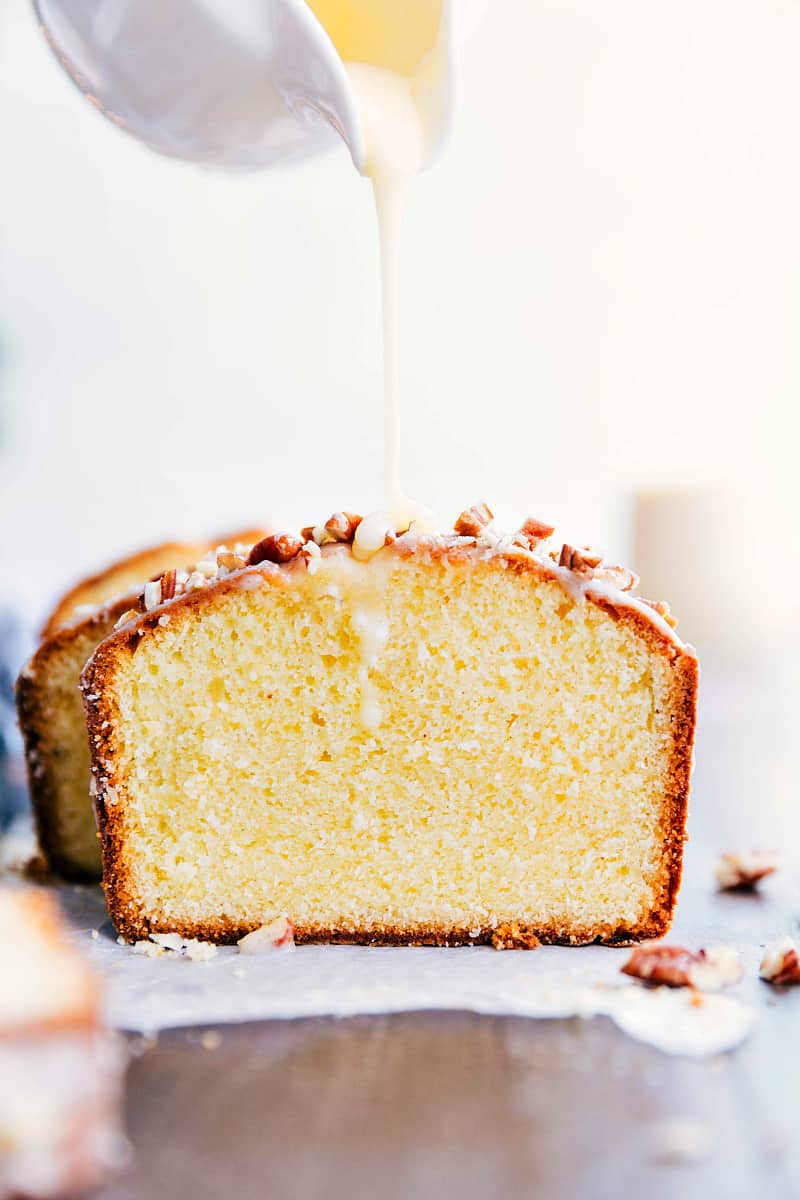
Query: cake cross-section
column 466, row 733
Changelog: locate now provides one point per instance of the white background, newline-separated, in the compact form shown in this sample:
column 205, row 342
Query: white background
column 601, row 289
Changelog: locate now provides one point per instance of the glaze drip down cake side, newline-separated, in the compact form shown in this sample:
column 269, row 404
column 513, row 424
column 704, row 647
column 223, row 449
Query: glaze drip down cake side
column 467, row 738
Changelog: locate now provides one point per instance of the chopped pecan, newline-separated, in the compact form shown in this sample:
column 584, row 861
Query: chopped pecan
column 581, row 560
column 621, row 577
column 661, row 964
column 532, row 532
column 663, row 610
column 230, row 561
column 342, row 526
column 168, row 583
column 742, row 872
column 781, row 963
column 472, row 520
column 277, row 548
column 675, row 966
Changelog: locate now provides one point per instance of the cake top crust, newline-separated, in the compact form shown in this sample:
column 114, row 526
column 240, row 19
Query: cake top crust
column 580, row 571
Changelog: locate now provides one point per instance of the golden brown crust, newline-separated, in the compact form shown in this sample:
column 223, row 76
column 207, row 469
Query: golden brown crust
column 102, row 719
column 683, row 698
column 126, row 572
column 515, row 936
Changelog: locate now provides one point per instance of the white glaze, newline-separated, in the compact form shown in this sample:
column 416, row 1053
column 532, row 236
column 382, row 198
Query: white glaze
column 391, row 109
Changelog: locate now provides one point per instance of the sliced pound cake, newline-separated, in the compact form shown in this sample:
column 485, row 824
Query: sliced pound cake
column 466, row 738
column 60, row 1071
column 53, row 726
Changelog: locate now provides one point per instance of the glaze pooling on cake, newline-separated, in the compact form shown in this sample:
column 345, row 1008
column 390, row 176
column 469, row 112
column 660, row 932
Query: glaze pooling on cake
column 526, row 765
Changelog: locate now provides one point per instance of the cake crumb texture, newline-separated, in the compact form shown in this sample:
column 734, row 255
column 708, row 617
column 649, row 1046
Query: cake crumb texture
column 423, row 749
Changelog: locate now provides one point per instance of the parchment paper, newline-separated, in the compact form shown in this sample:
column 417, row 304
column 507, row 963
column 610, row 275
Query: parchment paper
column 146, row 994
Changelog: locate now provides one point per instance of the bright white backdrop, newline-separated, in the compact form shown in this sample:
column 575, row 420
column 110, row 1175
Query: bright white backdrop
column 601, row 287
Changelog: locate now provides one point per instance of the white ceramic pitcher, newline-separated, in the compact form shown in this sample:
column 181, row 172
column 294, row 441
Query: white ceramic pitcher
column 226, row 83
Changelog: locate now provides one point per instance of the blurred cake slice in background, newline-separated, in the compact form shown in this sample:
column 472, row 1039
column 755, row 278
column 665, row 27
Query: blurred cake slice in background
column 50, row 710
column 61, row 1072
column 466, row 738
column 130, row 572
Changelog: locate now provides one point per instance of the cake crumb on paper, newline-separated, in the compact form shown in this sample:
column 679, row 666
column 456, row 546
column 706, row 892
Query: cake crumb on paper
column 172, row 945
column 199, row 951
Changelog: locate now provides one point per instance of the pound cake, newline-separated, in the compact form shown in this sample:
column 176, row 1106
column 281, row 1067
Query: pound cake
column 467, row 738
column 60, row 1070
column 51, row 719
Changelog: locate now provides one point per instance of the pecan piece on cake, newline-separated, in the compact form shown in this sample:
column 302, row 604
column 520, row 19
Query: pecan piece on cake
column 231, row 561
column 342, row 526
column 620, row 577
column 581, row 560
column 276, row 548
column 472, row 520
column 532, row 531
column 663, row 610
column 169, row 582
